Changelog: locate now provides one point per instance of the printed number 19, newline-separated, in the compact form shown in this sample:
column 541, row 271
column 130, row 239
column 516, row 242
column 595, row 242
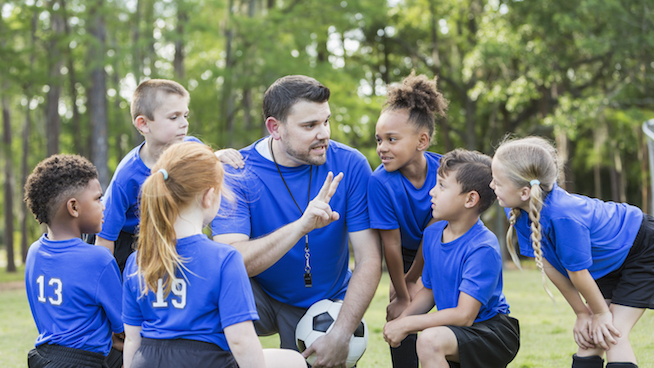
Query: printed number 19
column 178, row 289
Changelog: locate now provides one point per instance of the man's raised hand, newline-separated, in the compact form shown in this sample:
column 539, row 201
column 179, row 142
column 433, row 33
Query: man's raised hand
column 319, row 213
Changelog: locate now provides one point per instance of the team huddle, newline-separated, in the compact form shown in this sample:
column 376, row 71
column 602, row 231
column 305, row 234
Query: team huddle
column 154, row 291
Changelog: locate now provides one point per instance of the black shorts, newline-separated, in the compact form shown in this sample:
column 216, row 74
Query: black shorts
column 632, row 284
column 55, row 356
column 490, row 344
column 123, row 247
column 181, row 353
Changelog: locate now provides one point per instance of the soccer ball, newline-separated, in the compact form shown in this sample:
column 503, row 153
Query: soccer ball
column 318, row 321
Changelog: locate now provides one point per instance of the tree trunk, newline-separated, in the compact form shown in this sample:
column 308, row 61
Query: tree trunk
column 24, row 173
column 9, row 183
column 98, row 90
column 52, row 119
column 182, row 19
column 562, row 151
column 644, row 164
column 72, row 78
column 227, row 105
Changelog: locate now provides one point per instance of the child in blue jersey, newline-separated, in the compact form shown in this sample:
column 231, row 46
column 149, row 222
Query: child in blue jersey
column 462, row 276
column 398, row 191
column 187, row 300
column 73, row 288
column 159, row 111
column 601, row 251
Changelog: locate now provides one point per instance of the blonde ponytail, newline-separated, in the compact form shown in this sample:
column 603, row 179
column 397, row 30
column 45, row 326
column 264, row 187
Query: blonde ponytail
column 535, row 206
column 515, row 212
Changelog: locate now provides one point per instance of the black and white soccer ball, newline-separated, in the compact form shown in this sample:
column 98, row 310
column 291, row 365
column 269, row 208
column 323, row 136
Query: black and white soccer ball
column 319, row 320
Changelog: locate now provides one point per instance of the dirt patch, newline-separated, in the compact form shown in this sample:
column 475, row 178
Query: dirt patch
column 12, row 285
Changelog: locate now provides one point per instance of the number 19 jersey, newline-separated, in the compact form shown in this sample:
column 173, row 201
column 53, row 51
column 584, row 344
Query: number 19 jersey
column 214, row 293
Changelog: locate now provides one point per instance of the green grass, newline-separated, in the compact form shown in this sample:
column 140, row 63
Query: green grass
column 546, row 330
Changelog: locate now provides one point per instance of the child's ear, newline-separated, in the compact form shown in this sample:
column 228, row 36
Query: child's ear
column 472, row 198
column 73, row 207
column 525, row 193
column 141, row 123
column 423, row 141
column 208, row 197
column 272, row 124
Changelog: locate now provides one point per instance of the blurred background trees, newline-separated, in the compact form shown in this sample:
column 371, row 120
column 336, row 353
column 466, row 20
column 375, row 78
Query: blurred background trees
column 578, row 72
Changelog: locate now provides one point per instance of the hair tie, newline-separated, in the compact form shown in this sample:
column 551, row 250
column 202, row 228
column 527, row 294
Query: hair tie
column 534, row 182
column 164, row 172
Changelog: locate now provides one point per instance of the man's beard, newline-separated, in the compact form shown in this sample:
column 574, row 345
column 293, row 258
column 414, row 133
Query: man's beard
column 306, row 157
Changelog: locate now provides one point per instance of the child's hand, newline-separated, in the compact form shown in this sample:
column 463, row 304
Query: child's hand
column 230, row 157
column 394, row 333
column 582, row 331
column 603, row 330
column 395, row 308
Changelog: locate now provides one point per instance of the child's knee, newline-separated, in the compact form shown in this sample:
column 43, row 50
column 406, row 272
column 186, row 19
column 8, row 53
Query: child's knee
column 435, row 341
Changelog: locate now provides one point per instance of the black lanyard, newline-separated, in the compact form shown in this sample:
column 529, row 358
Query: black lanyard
column 307, row 267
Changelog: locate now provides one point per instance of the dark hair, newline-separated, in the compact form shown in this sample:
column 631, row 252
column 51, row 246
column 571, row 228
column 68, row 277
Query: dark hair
column 287, row 91
column 473, row 172
column 54, row 180
column 147, row 96
column 420, row 96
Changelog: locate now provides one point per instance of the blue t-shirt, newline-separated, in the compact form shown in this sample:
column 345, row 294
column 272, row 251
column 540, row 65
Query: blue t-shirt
column 215, row 294
column 263, row 205
column 471, row 264
column 74, row 292
column 581, row 233
column 395, row 203
column 121, row 198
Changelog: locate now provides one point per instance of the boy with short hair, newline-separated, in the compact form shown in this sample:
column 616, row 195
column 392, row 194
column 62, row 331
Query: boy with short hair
column 462, row 257
column 73, row 288
column 159, row 111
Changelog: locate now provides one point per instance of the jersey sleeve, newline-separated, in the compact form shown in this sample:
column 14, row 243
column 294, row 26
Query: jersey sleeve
column 116, row 204
column 380, row 206
column 109, row 294
column 234, row 213
column 481, row 273
column 236, row 301
column 428, row 238
column 572, row 242
column 132, row 314
column 357, row 199
column 523, row 232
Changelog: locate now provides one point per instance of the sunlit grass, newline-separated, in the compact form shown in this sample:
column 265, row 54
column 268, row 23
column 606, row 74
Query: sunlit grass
column 546, row 336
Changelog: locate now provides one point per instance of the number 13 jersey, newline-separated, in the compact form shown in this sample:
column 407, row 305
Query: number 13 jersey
column 74, row 290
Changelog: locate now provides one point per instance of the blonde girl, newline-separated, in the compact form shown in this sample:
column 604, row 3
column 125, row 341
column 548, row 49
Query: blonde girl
column 187, row 301
column 398, row 191
column 600, row 251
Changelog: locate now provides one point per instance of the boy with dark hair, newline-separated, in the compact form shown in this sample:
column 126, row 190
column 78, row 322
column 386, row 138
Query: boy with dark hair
column 159, row 111
column 471, row 327
column 73, row 288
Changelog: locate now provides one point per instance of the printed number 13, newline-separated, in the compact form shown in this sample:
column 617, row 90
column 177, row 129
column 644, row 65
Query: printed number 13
column 57, row 290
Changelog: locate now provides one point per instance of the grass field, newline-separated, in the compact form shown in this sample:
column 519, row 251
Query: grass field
column 546, row 335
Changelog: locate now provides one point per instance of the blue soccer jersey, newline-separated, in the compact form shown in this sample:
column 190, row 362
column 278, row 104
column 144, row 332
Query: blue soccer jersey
column 471, row 264
column 213, row 294
column 264, row 205
column 122, row 196
column 580, row 233
column 395, row 203
column 74, row 291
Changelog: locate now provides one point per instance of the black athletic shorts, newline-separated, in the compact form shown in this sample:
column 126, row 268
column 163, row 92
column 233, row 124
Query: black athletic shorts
column 490, row 344
column 123, row 247
column 632, row 284
column 55, row 356
column 181, row 353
